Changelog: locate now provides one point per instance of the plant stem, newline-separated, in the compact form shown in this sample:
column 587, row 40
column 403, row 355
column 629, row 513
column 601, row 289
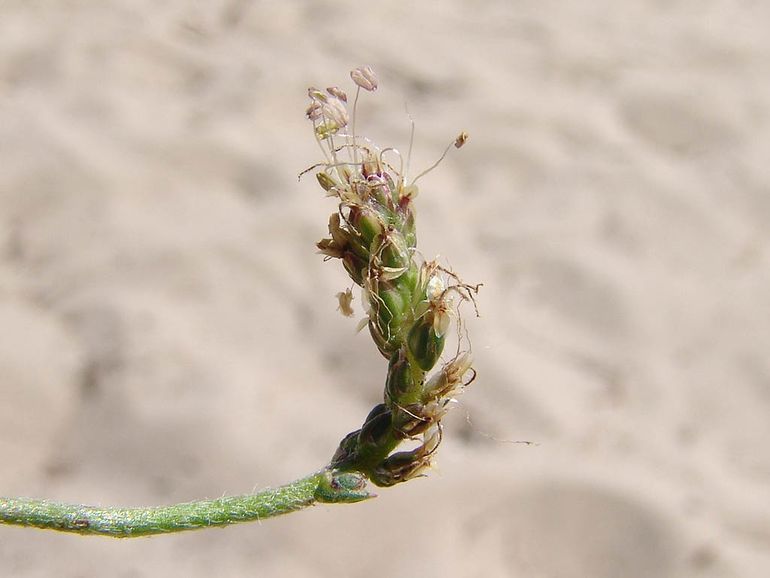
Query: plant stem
column 325, row 486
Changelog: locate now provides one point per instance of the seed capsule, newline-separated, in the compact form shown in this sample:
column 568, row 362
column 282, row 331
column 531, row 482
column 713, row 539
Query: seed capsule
column 367, row 223
column 409, row 229
column 391, row 249
column 424, row 344
column 355, row 266
column 404, row 466
column 412, row 420
column 347, row 451
column 327, row 183
column 399, row 467
column 377, row 426
column 380, row 340
column 389, row 310
column 400, row 380
column 407, row 282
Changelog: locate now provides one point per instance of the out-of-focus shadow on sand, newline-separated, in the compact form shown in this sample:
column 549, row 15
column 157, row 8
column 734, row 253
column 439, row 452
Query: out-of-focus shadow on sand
column 169, row 333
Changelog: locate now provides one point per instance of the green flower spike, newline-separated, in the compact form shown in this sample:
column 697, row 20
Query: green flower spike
column 408, row 301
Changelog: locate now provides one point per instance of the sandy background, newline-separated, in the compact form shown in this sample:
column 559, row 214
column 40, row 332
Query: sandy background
column 168, row 332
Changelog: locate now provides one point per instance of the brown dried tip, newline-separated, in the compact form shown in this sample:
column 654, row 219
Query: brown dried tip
column 461, row 139
column 364, row 77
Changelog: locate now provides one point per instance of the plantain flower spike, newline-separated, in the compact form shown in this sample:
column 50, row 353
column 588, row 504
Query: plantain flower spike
column 408, row 302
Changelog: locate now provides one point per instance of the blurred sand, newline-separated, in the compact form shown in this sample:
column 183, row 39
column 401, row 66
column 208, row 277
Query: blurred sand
column 168, row 332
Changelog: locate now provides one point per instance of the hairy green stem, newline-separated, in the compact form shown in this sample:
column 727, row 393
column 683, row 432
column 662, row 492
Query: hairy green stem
column 325, row 487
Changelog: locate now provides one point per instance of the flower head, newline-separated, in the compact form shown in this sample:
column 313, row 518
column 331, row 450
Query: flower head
column 408, row 302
